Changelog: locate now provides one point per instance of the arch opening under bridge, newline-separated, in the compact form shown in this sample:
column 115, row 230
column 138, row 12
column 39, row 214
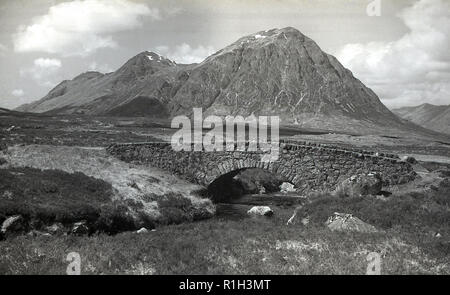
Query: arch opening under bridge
column 309, row 166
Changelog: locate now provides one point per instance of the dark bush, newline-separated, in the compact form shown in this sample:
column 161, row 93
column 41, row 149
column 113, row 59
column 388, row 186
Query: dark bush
column 150, row 198
column 133, row 204
column 173, row 215
column 114, row 219
column 46, row 197
column 175, row 209
column 175, row 201
column 146, row 221
column 408, row 210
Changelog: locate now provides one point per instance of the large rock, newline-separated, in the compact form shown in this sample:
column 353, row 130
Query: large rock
column 142, row 231
column 349, row 223
column 361, row 185
column 260, row 210
column 261, row 188
column 409, row 160
column 287, row 187
column 80, row 228
column 13, row 224
column 38, row 233
column 55, row 229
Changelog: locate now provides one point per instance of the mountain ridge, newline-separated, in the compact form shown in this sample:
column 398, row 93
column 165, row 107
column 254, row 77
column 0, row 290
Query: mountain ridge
column 274, row 72
column 433, row 117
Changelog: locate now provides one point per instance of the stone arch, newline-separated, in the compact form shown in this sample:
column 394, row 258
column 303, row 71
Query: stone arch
column 231, row 165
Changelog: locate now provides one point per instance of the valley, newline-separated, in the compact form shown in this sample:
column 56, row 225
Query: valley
column 179, row 230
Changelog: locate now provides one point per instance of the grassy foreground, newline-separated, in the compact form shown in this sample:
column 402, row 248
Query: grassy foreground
column 46, row 197
column 407, row 243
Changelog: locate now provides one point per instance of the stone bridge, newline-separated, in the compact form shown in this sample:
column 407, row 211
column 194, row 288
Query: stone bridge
column 309, row 166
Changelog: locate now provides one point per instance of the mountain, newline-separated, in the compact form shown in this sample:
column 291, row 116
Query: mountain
column 433, row 117
column 275, row 72
column 138, row 85
column 8, row 112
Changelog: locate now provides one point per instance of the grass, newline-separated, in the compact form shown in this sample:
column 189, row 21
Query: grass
column 176, row 209
column 69, row 130
column 413, row 210
column 44, row 197
column 407, row 242
column 50, row 196
column 220, row 247
column 262, row 245
column 415, row 216
column 139, row 186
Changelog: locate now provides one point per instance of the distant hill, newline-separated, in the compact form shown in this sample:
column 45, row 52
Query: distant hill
column 433, row 117
column 275, row 72
column 4, row 111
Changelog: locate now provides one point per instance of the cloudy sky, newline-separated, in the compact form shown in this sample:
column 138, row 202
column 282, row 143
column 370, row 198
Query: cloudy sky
column 400, row 48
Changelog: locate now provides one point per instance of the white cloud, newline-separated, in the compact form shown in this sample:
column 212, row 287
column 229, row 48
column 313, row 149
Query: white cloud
column 47, row 63
column 102, row 68
column 185, row 54
column 81, row 27
column 413, row 69
column 43, row 70
column 3, row 49
column 18, row 92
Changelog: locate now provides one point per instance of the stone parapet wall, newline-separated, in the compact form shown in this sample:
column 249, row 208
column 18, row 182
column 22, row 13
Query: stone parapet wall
column 309, row 166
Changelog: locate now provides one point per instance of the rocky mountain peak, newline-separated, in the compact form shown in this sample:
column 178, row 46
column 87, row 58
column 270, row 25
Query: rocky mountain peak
column 273, row 35
column 156, row 59
column 278, row 72
column 273, row 45
column 142, row 66
column 146, row 63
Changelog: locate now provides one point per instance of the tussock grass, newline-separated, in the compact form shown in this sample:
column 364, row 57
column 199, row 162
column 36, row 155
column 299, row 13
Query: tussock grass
column 407, row 244
column 218, row 246
column 426, row 209
column 139, row 183
column 44, row 197
column 50, row 196
column 175, row 209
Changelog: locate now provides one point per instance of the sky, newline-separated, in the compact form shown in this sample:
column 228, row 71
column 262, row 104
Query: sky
column 399, row 48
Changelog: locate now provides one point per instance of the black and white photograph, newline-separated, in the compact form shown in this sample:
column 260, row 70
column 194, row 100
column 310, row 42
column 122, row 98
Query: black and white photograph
column 258, row 138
